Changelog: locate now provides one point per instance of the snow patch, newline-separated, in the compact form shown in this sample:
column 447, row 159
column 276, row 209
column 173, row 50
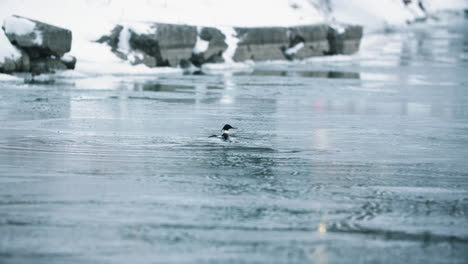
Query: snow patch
column 201, row 45
column 231, row 41
column 38, row 39
column 124, row 40
column 17, row 25
column 340, row 29
column 142, row 28
column 437, row 5
column 67, row 58
column 21, row 26
column 8, row 78
column 294, row 49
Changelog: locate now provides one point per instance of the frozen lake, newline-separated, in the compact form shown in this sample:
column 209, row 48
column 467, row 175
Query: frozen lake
column 360, row 159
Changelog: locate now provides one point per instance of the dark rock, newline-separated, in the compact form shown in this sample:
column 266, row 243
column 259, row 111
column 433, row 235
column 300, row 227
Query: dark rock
column 176, row 36
column 176, row 42
column 44, row 40
column 8, row 65
column 309, row 33
column 103, row 39
column 196, row 60
column 25, row 62
column 21, row 64
column 69, row 62
column 143, row 58
column 346, row 42
column 185, row 64
column 198, row 72
column 314, row 38
column 272, row 43
column 47, row 65
column 149, row 45
column 168, row 44
column 138, row 44
column 113, row 39
column 265, row 43
column 120, row 54
column 217, row 45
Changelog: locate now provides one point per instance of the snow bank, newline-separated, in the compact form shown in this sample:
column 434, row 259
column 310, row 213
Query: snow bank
column 9, row 78
column 384, row 14
column 374, row 15
column 437, row 5
column 293, row 50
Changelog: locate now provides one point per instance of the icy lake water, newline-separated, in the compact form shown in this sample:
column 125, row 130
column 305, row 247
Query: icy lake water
column 336, row 160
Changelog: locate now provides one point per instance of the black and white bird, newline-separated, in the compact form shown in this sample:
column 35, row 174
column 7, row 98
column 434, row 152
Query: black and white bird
column 225, row 132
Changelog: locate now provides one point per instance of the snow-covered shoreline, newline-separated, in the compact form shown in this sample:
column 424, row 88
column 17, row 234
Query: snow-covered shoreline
column 89, row 20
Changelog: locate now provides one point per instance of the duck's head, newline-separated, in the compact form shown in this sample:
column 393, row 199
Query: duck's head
column 227, row 127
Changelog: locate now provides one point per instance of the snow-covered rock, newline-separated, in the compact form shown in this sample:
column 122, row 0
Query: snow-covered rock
column 261, row 43
column 69, row 61
column 216, row 45
column 182, row 45
column 113, row 38
column 168, row 44
column 33, row 46
column 36, row 38
column 314, row 38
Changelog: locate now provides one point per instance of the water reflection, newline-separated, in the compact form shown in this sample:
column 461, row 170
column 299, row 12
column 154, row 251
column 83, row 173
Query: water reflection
column 321, row 139
column 307, row 74
column 320, row 255
column 159, row 87
column 330, row 74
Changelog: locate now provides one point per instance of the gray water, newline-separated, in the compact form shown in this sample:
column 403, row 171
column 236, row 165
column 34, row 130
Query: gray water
column 344, row 160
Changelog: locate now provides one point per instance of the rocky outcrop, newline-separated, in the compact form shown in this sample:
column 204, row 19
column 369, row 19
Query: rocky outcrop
column 345, row 41
column 42, row 45
column 167, row 43
column 216, row 46
column 279, row 43
column 178, row 45
column 260, row 44
column 113, row 39
column 161, row 45
column 314, row 39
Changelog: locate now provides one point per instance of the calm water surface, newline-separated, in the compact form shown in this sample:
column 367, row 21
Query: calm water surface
column 344, row 160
